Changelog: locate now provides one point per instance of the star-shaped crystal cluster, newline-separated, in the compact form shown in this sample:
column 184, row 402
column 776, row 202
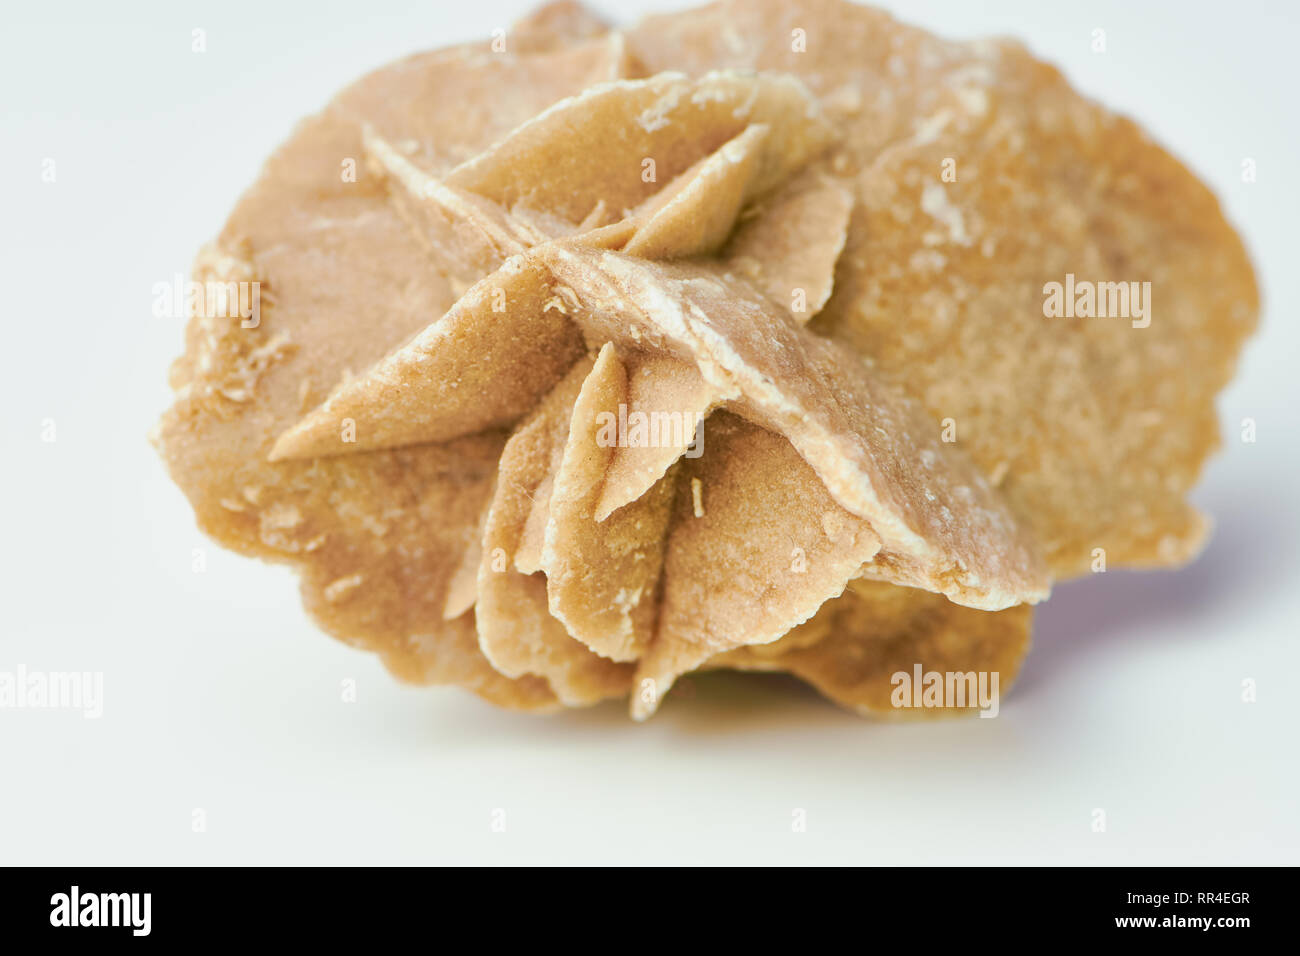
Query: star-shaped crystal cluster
column 611, row 561
column 716, row 343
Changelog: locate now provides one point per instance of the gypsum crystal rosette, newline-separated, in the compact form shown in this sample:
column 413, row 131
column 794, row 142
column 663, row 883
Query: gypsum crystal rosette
column 624, row 354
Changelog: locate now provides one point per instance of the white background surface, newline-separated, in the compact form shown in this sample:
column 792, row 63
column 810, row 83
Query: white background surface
column 220, row 695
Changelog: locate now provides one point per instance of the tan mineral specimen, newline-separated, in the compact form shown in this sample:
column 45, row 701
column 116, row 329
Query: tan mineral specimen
column 726, row 341
column 853, row 649
column 980, row 177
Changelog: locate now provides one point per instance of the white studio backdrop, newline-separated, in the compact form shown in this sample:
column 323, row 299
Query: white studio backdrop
column 221, row 701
